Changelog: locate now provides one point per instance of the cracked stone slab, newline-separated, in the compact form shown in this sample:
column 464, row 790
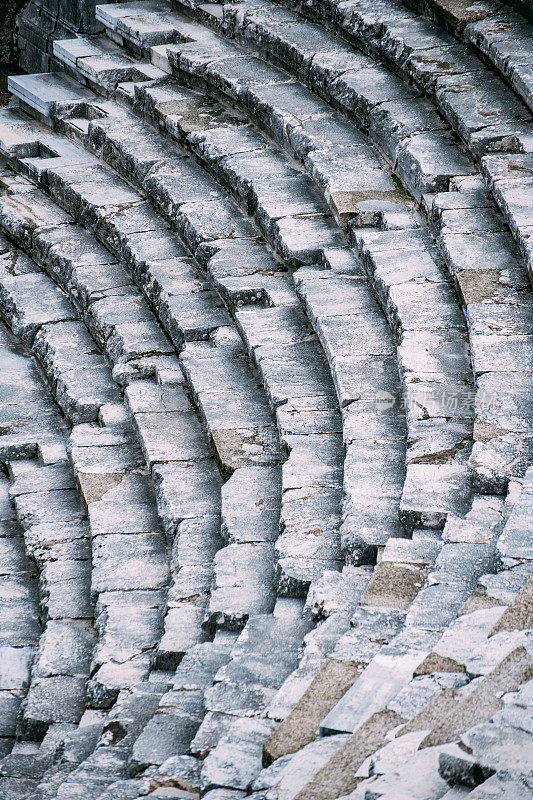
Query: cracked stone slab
column 127, row 507
column 431, row 492
column 236, row 761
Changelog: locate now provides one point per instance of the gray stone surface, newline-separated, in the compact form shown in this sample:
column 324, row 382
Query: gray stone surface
column 268, row 448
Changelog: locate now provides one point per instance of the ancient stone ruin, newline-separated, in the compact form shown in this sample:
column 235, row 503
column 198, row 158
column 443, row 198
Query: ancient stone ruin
column 266, row 400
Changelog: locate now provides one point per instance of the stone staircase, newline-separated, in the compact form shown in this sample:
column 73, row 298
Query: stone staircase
column 266, row 410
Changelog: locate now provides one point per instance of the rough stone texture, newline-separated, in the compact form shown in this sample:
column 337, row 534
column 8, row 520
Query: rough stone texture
column 269, row 496
column 301, row 725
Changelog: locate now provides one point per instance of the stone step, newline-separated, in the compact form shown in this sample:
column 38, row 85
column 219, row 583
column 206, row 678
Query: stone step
column 157, row 181
column 32, row 424
column 363, row 370
column 100, row 61
column 212, row 153
column 497, row 744
column 318, row 646
column 423, row 700
column 471, row 236
column 244, row 568
column 170, row 463
column 143, row 25
column 19, row 626
column 300, row 726
column 381, row 680
column 41, row 22
column 107, row 762
column 468, row 553
column 169, row 732
column 400, row 39
column 77, row 374
column 511, row 183
column 246, row 435
column 497, row 34
column 41, row 91
column 434, row 368
column 233, row 732
column 401, row 573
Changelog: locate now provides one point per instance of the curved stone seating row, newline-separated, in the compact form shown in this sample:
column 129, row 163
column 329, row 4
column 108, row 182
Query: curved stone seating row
column 132, row 388
column 435, row 370
column 20, row 623
column 76, row 373
column 26, row 432
column 44, row 527
column 504, row 37
column 108, row 481
column 437, row 64
column 496, row 296
column 497, row 123
column 482, row 462
column 200, row 224
column 265, row 199
column 426, row 691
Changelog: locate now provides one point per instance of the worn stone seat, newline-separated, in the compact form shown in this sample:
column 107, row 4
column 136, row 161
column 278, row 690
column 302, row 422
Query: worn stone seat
column 272, row 263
